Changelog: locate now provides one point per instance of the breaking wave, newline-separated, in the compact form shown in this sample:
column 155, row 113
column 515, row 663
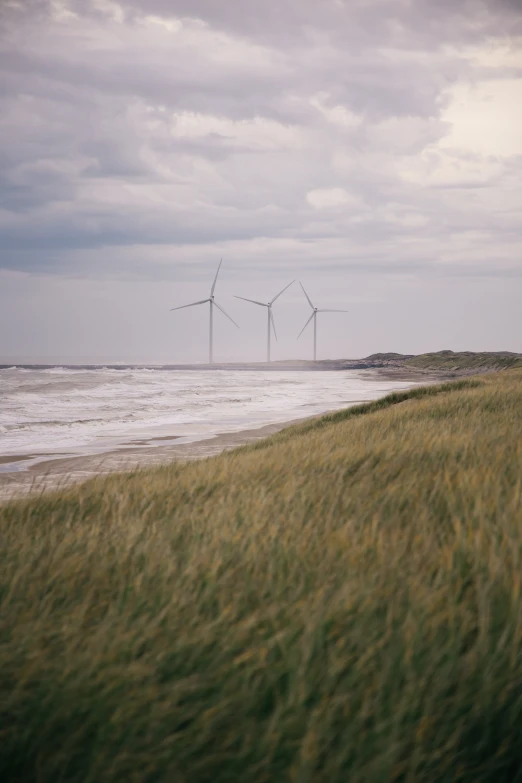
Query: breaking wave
column 59, row 409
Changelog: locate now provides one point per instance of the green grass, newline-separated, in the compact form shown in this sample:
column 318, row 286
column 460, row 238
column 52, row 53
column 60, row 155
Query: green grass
column 465, row 360
column 338, row 603
column 453, row 362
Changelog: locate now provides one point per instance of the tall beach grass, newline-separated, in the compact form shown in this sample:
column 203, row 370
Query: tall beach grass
column 340, row 602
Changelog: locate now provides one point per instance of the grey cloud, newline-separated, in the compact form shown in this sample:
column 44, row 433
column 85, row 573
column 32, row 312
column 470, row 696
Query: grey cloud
column 371, row 82
column 89, row 159
column 363, row 23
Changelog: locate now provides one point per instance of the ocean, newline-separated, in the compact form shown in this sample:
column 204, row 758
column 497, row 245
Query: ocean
column 61, row 410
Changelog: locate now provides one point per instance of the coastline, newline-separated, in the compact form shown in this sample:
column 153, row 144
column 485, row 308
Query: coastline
column 199, row 589
column 62, row 470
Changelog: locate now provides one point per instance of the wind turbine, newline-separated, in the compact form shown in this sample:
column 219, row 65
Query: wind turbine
column 271, row 322
column 212, row 304
column 314, row 316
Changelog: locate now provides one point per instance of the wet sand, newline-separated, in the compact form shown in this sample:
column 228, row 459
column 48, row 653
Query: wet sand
column 16, row 458
column 62, row 472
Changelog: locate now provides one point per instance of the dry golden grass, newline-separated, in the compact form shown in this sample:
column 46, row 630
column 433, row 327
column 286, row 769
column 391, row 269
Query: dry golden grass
column 338, row 603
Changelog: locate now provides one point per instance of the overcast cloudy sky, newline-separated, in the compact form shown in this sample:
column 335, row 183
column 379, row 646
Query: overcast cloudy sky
column 371, row 148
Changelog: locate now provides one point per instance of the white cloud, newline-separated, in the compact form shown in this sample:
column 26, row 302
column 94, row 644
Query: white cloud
column 495, row 54
column 440, row 167
column 258, row 133
column 61, row 11
column 405, row 135
column 328, row 198
column 170, row 24
column 485, row 118
column 109, row 8
column 338, row 114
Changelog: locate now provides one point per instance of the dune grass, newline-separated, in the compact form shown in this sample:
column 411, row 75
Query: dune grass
column 338, row 603
column 465, row 360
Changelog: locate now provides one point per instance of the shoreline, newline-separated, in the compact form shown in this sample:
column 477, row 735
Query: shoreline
column 65, row 470
column 61, row 472
column 185, row 596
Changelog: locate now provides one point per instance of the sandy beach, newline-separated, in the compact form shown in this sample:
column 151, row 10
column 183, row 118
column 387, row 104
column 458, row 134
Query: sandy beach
column 33, row 469
column 56, row 473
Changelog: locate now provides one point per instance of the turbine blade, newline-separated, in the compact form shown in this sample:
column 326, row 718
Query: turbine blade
column 304, row 292
column 281, row 292
column 192, row 304
column 333, row 311
column 227, row 315
column 273, row 322
column 250, row 300
column 215, row 279
column 306, row 324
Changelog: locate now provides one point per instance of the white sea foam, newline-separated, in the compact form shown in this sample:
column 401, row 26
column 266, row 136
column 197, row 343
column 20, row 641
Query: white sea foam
column 59, row 410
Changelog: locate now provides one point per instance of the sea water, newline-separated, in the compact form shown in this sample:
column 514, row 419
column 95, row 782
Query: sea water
column 62, row 410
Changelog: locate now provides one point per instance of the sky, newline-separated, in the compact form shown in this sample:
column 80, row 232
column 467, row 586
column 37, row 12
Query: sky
column 371, row 149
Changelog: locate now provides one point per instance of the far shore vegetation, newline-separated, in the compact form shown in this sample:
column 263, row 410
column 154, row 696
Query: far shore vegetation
column 446, row 362
column 338, row 603
column 465, row 360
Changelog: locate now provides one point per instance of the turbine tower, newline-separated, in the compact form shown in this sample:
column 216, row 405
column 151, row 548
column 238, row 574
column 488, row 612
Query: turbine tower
column 314, row 316
column 212, row 304
column 271, row 322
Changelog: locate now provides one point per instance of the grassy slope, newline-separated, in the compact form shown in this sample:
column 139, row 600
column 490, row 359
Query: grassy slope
column 465, row 360
column 453, row 362
column 338, row 603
